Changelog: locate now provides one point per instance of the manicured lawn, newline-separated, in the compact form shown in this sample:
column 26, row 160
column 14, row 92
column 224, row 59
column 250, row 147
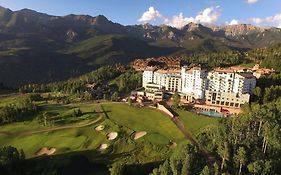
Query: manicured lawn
column 10, row 98
column 194, row 123
column 159, row 127
column 122, row 118
column 63, row 141
column 21, row 126
column 155, row 122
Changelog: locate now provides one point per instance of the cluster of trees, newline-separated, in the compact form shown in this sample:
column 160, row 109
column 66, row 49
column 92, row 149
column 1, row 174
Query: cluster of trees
column 247, row 144
column 268, row 57
column 77, row 112
column 186, row 160
column 11, row 160
column 268, row 89
column 176, row 99
column 217, row 59
column 18, row 112
column 128, row 81
column 74, row 85
column 108, row 83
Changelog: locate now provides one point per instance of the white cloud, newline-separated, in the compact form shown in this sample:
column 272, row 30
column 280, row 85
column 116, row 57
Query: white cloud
column 208, row 16
column 178, row 21
column 256, row 20
column 252, row 1
column 271, row 20
column 234, row 22
column 149, row 15
column 275, row 20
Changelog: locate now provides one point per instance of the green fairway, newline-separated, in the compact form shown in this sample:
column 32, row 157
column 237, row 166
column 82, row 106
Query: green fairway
column 117, row 117
column 159, row 127
column 10, row 98
column 63, row 141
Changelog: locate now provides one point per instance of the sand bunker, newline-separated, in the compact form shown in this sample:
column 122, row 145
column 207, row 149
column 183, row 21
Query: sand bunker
column 103, row 146
column 99, row 128
column 112, row 135
column 46, row 151
column 172, row 145
column 139, row 135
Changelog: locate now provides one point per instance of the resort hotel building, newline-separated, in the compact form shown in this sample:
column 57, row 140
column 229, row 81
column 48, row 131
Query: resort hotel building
column 222, row 87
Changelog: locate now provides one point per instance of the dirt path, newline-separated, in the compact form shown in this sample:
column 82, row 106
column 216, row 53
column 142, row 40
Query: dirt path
column 210, row 159
column 186, row 134
column 176, row 120
column 26, row 133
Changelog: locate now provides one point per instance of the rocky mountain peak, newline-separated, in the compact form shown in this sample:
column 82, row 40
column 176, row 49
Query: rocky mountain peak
column 241, row 29
column 4, row 10
column 99, row 20
column 192, row 26
column 147, row 26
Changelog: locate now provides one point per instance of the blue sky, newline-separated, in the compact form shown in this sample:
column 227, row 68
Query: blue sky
column 172, row 12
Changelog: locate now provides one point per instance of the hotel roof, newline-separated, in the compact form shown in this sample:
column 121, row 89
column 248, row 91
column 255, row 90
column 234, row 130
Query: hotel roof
column 150, row 69
column 246, row 75
column 223, row 70
column 168, row 71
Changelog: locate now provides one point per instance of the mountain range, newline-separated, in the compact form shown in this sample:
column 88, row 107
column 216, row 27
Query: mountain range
column 39, row 48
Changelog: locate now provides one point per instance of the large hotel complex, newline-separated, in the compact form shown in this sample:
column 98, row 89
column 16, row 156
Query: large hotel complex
column 195, row 83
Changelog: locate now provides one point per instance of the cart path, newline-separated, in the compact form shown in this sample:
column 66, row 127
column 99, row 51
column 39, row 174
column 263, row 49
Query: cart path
column 210, row 159
column 186, row 134
column 176, row 120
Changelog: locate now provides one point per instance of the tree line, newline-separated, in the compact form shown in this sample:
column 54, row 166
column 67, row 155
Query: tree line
column 19, row 111
column 267, row 57
column 107, row 83
column 246, row 144
column 217, row 59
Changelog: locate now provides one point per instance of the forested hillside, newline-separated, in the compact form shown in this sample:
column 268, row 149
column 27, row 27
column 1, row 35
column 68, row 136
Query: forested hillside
column 40, row 48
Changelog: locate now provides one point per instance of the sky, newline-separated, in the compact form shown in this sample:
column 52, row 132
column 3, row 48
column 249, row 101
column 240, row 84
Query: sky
column 176, row 13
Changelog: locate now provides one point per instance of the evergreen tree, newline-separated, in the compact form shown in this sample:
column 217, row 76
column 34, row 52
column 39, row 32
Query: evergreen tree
column 205, row 171
column 240, row 158
column 176, row 99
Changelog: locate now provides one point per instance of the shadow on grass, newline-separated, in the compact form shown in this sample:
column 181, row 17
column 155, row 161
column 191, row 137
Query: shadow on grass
column 140, row 169
column 84, row 163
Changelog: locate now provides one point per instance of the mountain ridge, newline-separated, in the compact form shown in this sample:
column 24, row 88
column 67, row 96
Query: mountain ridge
column 59, row 47
column 102, row 20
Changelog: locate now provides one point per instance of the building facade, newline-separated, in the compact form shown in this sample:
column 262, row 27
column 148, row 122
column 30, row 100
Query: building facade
column 169, row 80
column 194, row 81
column 223, row 87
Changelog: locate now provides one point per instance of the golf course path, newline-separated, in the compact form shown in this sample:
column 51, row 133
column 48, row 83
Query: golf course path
column 26, row 133
column 181, row 127
column 176, row 120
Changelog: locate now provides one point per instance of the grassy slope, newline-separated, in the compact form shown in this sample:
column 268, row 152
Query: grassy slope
column 159, row 127
column 195, row 123
column 10, row 98
column 122, row 118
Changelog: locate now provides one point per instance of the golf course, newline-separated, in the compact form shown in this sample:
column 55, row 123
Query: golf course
column 131, row 134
